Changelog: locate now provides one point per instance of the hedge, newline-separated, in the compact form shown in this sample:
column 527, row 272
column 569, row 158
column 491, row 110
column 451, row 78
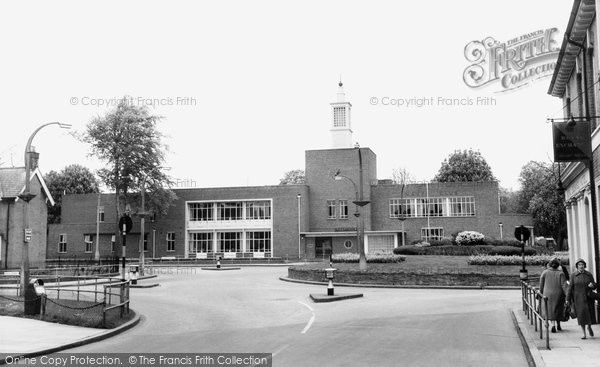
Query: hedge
column 464, row 250
column 371, row 258
column 514, row 260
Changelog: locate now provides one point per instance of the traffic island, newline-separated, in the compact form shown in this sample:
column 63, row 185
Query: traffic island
column 331, row 296
column 319, row 298
column 220, row 268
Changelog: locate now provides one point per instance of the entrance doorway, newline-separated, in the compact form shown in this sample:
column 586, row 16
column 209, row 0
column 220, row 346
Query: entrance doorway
column 323, row 247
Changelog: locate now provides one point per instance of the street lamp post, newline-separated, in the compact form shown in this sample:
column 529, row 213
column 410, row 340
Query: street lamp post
column 143, row 216
column 143, row 225
column 26, row 196
column 362, row 259
column 299, row 235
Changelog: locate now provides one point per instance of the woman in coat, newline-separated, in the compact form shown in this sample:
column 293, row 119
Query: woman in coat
column 552, row 284
column 580, row 285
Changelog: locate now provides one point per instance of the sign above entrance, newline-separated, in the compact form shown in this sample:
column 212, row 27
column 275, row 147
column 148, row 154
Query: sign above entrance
column 345, row 229
column 571, row 141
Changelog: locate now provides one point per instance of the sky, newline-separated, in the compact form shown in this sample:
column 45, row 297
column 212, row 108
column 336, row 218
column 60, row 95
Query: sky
column 245, row 87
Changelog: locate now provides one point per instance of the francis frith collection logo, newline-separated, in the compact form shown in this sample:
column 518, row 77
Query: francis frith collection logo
column 514, row 63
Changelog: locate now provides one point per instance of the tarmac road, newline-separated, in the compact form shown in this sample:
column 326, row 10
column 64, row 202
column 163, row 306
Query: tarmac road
column 252, row 311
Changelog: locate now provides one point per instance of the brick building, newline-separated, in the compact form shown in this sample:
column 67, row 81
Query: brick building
column 293, row 221
column 12, row 183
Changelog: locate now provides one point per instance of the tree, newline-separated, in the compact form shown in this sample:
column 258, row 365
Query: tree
column 509, row 201
column 293, row 177
column 401, row 176
column 465, row 165
column 73, row 179
column 539, row 197
column 128, row 141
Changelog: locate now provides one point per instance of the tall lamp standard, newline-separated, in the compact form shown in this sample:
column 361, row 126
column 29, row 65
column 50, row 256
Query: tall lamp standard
column 362, row 259
column 143, row 214
column 299, row 235
column 26, row 196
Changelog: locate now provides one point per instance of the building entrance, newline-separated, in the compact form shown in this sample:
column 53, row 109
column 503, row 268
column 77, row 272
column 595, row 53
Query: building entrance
column 323, row 247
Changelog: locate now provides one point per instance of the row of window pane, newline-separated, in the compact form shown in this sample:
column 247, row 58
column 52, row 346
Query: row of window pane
column 432, row 233
column 256, row 241
column 463, row 206
column 230, row 210
column 332, row 209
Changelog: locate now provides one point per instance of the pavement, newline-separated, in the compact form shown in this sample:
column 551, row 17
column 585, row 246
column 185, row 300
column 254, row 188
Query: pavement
column 22, row 337
column 566, row 346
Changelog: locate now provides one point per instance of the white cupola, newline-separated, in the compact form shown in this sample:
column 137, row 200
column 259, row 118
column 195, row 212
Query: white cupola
column 341, row 126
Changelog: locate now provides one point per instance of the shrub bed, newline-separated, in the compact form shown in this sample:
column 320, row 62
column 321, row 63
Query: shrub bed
column 514, row 260
column 371, row 258
column 464, row 250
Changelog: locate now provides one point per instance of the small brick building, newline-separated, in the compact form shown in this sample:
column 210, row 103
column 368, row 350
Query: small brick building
column 12, row 210
column 292, row 221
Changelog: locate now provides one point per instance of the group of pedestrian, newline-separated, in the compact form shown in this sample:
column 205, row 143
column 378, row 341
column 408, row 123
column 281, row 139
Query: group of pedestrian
column 573, row 293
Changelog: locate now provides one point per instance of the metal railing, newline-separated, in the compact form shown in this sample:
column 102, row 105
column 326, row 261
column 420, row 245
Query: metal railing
column 82, row 286
column 86, row 296
column 533, row 303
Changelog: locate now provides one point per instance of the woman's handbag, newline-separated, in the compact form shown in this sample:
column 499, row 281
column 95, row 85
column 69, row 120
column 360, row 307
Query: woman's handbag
column 572, row 311
column 566, row 315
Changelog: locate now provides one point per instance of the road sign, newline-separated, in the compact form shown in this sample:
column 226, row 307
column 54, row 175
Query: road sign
column 125, row 222
column 28, row 234
column 522, row 233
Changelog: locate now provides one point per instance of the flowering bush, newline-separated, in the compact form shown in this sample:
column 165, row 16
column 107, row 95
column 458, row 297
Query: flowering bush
column 469, row 238
column 371, row 258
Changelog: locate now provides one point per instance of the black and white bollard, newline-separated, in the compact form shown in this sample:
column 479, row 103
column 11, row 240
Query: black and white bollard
column 329, row 273
column 218, row 262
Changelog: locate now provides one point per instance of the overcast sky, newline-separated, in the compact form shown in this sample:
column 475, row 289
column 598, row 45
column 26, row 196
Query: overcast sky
column 258, row 77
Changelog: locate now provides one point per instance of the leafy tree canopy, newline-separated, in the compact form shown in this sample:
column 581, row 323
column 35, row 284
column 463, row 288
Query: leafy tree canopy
column 293, row 177
column 540, row 197
column 73, row 179
column 464, row 165
column 128, row 141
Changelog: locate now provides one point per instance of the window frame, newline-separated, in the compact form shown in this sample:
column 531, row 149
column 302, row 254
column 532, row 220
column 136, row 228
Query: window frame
column 331, row 209
column 170, row 237
column 225, row 244
column 62, row 242
column 88, row 240
column 344, row 209
column 255, row 244
column 195, row 243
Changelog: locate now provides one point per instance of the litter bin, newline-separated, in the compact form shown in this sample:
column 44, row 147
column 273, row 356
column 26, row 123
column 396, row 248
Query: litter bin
column 33, row 296
column 134, row 271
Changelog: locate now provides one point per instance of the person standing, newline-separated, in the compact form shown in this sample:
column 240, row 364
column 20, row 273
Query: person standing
column 552, row 283
column 580, row 285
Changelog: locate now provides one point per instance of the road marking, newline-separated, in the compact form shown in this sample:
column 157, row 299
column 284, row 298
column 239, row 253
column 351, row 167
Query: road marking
column 312, row 318
column 284, row 347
